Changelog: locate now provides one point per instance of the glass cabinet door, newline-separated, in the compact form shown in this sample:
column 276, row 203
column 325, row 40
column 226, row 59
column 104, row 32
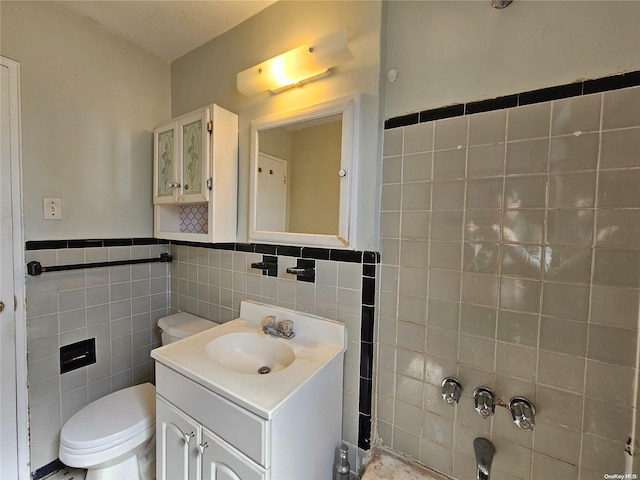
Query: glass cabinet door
column 165, row 165
column 181, row 159
column 192, row 157
column 194, row 153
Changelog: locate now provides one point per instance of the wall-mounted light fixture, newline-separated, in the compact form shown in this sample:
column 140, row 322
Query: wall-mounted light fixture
column 296, row 67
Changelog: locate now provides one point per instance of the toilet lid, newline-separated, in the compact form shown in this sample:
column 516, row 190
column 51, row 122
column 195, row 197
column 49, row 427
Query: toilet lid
column 183, row 324
column 113, row 418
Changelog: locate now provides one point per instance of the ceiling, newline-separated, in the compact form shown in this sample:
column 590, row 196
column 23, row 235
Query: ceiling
column 169, row 29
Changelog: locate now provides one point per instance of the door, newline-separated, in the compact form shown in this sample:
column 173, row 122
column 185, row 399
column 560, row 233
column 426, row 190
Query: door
column 220, row 461
column 271, row 204
column 14, row 455
column 177, row 436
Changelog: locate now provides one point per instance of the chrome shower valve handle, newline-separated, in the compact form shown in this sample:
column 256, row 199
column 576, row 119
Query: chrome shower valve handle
column 451, row 391
column 523, row 413
column 485, row 402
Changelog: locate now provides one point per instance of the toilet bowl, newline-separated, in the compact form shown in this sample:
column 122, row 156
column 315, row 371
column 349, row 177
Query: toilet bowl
column 114, row 436
column 106, row 436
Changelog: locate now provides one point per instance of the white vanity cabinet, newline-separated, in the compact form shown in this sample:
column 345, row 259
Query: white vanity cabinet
column 246, row 425
column 296, row 443
column 195, row 176
column 189, row 451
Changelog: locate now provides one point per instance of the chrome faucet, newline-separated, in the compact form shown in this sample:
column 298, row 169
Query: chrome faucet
column 484, row 450
column 282, row 329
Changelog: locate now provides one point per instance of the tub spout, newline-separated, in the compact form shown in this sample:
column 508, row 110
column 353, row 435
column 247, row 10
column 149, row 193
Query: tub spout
column 484, row 451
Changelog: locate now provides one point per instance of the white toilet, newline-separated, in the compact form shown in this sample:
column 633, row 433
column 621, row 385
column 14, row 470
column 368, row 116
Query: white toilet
column 114, row 436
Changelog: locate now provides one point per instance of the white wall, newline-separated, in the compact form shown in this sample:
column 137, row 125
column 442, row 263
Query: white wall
column 90, row 101
column 458, row 51
column 208, row 74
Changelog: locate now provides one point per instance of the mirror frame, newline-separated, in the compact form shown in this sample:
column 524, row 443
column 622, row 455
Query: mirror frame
column 349, row 107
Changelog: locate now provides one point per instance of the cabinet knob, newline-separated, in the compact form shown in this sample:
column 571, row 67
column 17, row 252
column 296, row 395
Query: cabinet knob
column 202, row 447
column 188, row 436
column 342, row 173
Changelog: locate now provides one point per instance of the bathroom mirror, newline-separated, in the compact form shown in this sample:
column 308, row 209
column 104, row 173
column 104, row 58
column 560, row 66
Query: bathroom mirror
column 303, row 175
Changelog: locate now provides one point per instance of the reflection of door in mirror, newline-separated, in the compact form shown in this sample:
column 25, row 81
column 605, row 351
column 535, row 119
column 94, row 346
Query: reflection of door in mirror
column 272, row 193
column 313, row 151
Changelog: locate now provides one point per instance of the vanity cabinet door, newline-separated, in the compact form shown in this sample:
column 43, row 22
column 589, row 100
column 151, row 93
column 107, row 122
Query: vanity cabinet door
column 177, row 436
column 220, row 461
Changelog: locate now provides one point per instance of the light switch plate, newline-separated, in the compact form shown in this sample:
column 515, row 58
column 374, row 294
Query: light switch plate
column 52, row 208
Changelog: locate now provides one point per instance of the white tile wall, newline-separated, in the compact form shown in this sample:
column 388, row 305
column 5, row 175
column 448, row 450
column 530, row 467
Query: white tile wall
column 561, row 330
column 118, row 306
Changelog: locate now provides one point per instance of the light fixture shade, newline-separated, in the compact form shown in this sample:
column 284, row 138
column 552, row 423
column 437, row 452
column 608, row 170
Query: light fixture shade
column 296, row 66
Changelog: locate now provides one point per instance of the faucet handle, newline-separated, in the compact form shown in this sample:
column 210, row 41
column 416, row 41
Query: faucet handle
column 523, row 413
column 451, row 390
column 271, row 321
column 287, row 327
column 485, row 401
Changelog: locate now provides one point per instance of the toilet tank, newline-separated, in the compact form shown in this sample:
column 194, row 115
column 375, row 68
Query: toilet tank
column 181, row 325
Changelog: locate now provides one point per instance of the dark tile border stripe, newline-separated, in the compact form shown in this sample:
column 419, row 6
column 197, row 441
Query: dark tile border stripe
column 92, row 243
column 443, row 112
column 364, row 431
column 403, row 121
column 614, row 82
column 491, row 104
column 586, row 87
column 353, row 256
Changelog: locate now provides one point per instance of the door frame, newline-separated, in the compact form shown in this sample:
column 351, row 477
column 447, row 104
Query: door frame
column 19, row 273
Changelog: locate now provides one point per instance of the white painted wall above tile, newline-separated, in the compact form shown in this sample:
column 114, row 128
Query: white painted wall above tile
column 455, row 52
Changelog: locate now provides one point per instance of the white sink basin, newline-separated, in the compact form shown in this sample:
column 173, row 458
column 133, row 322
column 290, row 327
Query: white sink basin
column 225, row 359
column 250, row 353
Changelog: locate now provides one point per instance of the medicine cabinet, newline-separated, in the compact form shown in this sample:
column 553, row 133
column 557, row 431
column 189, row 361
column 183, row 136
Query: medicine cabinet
column 303, row 175
column 195, row 176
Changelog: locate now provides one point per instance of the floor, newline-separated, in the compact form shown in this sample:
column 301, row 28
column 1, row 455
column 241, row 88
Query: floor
column 385, row 465
column 68, row 474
